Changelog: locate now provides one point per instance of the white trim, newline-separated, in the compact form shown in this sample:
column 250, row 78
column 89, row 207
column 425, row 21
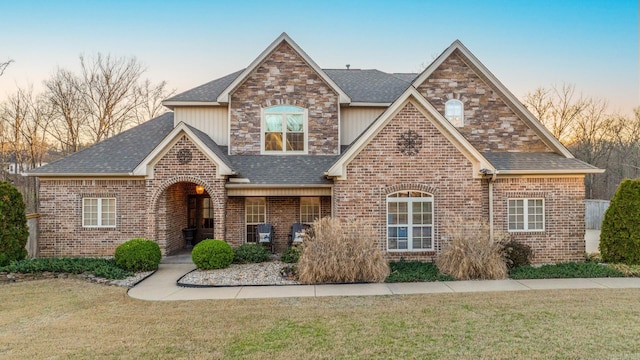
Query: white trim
column 449, row 105
column 284, row 151
column 550, row 172
column 370, row 104
column 430, row 113
column 409, row 225
column 172, row 103
column 224, row 96
column 525, row 215
column 145, row 168
column 99, row 213
column 511, row 100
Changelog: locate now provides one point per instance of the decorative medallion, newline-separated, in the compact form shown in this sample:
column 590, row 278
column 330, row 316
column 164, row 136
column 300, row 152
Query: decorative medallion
column 410, row 143
column 184, row 156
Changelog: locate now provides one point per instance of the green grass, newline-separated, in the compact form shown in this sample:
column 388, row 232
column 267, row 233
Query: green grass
column 414, row 271
column 72, row 319
column 104, row 268
column 565, row 270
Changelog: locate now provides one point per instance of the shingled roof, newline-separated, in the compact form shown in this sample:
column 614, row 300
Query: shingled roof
column 536, row 161
column 367, row 86
column 117, row 155
column 283, row 169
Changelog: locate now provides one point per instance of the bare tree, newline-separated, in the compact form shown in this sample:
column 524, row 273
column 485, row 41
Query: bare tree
column 557, row 108
column 150, row 98
column 4, row 65
column 68, row 111
column 108, row 86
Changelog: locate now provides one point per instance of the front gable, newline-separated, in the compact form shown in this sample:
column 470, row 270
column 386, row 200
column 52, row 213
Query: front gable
column 284, row 76
column 495, row 120
column 411, row 111
column 184, row 152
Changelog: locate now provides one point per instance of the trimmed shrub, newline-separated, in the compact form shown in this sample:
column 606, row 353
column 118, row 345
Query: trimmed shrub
column 620, row 233
column 13, row 225
column 212, row 254
column 104, row 268
column 250, row 253
column 565, row 270
column 341, row 252
column 138, row 255
column 471, row 253
column 517, row 254
column 413, row 271
column 291, row 255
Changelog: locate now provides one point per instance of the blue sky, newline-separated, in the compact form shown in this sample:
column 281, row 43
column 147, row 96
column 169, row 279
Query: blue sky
column 526, row 44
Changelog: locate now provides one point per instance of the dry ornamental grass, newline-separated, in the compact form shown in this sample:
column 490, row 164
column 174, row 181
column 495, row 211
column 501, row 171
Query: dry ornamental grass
column 341, row 252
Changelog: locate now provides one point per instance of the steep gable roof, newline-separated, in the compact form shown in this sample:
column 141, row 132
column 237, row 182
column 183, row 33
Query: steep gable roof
column 205, row 94
column 224, row 96
column 118, row 155
column 201, row 140
column 512, row 163
column 339, row 168
column 510, row 99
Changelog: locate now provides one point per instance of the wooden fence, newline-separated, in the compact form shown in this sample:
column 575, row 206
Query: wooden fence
column 594, row 213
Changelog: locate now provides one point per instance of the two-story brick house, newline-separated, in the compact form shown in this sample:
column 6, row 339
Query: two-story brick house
column 284, row 141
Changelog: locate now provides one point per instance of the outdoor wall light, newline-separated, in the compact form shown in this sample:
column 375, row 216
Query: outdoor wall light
column 199, row 189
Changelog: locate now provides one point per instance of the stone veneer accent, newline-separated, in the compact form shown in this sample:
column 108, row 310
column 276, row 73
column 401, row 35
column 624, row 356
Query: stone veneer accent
column 380, row 169
column 489, row 124
column 563, row 236
column 284, row 77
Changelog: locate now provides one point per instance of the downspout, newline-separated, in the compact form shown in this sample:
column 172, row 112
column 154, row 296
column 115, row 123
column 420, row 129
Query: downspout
column 492, row 179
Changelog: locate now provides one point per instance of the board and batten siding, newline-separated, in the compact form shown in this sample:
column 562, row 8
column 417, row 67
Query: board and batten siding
column 354, row 120
column 212, row 120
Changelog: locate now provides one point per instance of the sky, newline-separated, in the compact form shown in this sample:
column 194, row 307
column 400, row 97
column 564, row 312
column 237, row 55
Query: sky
column 526, row 44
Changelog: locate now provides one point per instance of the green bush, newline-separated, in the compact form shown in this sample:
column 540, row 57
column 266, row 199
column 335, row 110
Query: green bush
column 517, row 254
column 13, row 225
column 104, row 268
column 565, row 270
column 341, row 252
column 291, row 255
column 212, row 254
column 250, row 253
column 620, row 233
column 414, row 271
column 138, row 255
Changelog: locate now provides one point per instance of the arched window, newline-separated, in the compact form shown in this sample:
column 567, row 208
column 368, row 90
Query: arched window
column 454, row 112
column 409, row 221
column 284, row 129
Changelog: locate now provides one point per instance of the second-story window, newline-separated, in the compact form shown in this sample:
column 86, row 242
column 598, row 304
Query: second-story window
column 454, row 112
column 284, row 129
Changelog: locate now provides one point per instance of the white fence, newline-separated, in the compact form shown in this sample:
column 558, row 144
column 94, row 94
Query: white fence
column 594, row 213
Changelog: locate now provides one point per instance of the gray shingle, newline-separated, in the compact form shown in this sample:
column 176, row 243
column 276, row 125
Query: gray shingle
column 220, row 152
column 117, row 155
column 534, row 161
column 283, row 169
column 372, row 86
column 207, row 92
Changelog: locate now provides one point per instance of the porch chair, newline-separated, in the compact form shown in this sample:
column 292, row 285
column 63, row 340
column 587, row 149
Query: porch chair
column 297, row 233
column 265, row 235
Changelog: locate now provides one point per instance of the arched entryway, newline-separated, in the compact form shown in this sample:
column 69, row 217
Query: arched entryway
column 184, row 215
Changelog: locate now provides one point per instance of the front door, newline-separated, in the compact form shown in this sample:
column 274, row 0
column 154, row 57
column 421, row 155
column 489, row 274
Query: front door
column 201, row 216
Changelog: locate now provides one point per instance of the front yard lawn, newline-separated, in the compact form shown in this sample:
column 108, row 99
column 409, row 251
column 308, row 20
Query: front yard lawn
column 66, row 318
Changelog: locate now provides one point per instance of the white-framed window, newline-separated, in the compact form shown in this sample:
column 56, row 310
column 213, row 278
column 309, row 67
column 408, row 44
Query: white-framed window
column 309, row 209
column 409, row 221
column 98, row 212
column 255, row 210
column 454, row 112
column 284, row 129
column 526, row 215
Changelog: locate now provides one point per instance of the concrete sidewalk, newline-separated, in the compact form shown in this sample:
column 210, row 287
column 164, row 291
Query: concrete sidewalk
column 161, row 286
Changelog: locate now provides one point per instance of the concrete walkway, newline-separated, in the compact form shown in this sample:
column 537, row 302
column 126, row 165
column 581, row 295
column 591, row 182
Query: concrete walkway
column 161, row 286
